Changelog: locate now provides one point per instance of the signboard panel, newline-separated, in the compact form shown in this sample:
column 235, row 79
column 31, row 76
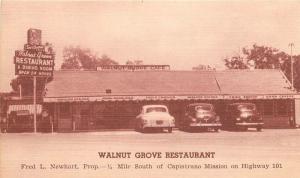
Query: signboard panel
column 132, row 67
column 34, row 37
column 161, row 97
column 34, row 47
column 33, row 63
column 33, row 55
column 33, row 70
column 36, row 59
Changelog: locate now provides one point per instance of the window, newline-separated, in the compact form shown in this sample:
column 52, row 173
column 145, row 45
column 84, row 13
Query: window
column 268, row 108
column 246, row 107
column 65, row 109
column 204, row 107
column 156, row 109
column 282, row 107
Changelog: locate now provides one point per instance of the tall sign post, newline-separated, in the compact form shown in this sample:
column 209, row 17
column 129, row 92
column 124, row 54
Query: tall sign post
column 36, row 60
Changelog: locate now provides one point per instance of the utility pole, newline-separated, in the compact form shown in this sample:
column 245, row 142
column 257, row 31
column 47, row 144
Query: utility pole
column 34, row 103
column 292, row 66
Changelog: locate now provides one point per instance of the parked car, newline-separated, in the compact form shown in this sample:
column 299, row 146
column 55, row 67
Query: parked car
column 202, row 116
column 155, row 116
column 242, row 116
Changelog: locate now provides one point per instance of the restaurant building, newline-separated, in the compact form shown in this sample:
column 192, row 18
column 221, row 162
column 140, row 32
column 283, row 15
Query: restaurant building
column 95, row 100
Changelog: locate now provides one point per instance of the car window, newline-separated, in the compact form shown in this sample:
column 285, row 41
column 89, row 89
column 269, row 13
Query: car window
column 203, row 107
column 156, row 109
column 246, row 107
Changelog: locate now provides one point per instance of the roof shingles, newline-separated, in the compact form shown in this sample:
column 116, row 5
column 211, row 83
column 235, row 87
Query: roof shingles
column 95, row 83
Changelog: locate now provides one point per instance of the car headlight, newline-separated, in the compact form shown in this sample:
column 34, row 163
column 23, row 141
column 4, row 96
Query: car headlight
column 145, row 121
column 238, row 119
column 194, row 120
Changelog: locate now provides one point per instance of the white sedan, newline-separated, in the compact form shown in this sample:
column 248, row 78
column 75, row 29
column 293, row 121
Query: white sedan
column 155, row 116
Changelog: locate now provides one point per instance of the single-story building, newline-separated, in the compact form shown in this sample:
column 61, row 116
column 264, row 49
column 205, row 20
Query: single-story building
column 91, row 100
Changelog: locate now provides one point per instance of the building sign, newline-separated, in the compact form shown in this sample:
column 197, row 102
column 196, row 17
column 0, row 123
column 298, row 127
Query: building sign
column 36, row 59
column 164, row 97
column 130, row 98
column 28, row 47
column 249, row 97
column 132, row 67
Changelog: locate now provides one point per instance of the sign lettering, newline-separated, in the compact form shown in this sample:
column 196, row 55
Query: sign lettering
column 132, row 67
column 36, row 59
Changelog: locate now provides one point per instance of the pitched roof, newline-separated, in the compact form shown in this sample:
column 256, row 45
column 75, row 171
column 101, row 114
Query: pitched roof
column 95, row 83
column 258, row 81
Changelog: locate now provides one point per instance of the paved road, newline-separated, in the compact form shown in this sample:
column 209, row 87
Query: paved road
column 278, row 147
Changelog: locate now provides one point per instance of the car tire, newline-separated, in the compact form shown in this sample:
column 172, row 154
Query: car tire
column 258, row 129
column 216, row 129
column 170, row 129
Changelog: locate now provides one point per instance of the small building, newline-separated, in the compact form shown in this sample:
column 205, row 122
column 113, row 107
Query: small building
column 19, row 113
column 92, row 100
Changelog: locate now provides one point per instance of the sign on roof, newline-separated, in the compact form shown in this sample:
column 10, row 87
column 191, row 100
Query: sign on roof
column 132, row 67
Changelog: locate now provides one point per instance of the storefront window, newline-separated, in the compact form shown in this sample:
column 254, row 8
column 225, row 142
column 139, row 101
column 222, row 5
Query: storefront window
column 268, row 108
column 65, row 109
column 282, row 107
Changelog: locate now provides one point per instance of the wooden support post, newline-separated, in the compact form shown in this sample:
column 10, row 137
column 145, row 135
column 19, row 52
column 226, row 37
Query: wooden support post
column 34, row 103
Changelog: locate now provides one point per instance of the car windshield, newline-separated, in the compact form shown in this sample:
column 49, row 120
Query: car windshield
column 246, row 107
column 203, row 107
column 156, row 109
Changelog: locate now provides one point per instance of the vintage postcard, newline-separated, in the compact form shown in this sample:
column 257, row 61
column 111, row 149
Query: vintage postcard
column 152, row 89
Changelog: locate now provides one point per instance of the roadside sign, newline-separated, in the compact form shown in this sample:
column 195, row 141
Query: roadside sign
column 36, row 60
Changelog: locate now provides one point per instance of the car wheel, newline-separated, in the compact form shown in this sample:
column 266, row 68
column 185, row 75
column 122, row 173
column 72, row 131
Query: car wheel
column 170, row 129
column 258, row 129
column 216, row 129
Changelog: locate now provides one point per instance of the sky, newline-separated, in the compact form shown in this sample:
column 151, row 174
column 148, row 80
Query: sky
column 181, row 34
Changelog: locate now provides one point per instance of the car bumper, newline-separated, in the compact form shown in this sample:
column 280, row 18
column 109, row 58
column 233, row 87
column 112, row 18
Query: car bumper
column 249, row 124
column 158, row 125
column 205, row 124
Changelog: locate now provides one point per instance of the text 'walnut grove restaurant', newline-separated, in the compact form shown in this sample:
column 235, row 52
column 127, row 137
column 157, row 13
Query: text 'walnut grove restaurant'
column 108, row 99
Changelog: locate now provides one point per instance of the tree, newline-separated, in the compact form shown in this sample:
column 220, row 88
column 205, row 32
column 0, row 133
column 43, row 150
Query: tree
column 26, row 85
column 235, row 62
column 79, row 58
column 263, row 57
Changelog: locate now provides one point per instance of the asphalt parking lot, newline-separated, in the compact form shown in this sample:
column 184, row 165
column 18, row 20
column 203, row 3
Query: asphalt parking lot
column 271, row 146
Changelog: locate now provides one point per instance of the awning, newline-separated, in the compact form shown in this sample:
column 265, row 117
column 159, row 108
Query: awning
column 169, row 97
column 27, row 107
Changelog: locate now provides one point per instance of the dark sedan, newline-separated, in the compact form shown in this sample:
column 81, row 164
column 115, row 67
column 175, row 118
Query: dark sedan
column 202, row 116
column 241, row 116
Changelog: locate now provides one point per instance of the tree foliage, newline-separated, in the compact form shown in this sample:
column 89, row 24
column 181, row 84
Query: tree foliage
column 26, row 85
column 263, row 57
column 79, row 58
